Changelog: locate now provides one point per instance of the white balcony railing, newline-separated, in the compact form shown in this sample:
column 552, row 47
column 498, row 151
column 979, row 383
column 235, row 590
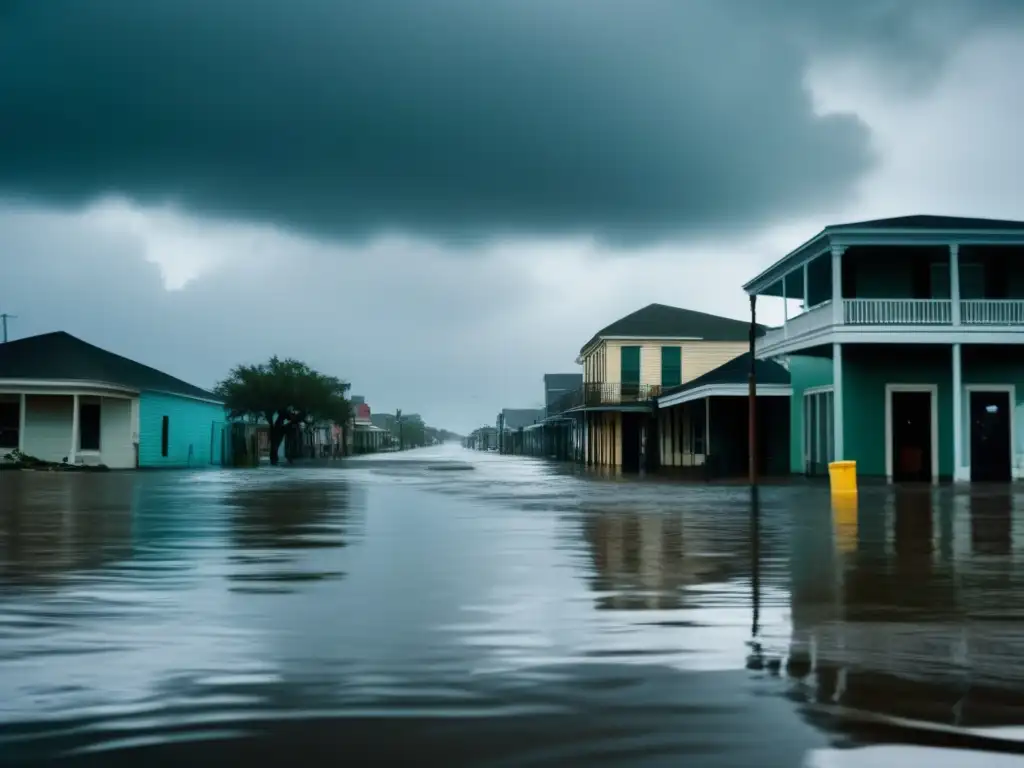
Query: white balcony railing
column 992, row 312
column 897, row 311
column 814, row 318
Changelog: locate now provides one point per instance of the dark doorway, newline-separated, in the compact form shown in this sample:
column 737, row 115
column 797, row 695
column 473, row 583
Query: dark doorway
column 990, row 437
column 631, row 436
column 912, row 436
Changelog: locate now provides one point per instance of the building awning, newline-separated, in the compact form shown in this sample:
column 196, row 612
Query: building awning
column 731, row 380
column 368, row 428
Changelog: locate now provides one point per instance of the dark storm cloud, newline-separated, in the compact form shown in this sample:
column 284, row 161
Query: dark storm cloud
column 910, row 39
column 629, row 119
column 446, row 118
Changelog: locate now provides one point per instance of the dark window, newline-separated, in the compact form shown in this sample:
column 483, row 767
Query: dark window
column 671, row 366
column 89, row 426
column 921, row 278
column 164, row 435
column 9, row 423
column 997, row 279
column 849, row 277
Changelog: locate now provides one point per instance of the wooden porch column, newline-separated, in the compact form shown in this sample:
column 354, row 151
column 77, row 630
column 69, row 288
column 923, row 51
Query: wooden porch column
column 958, row 418
column 22, row 404
column 785, row 309
column 752, row 436
column 707, row 428
column 954, row 283
column 74, row 430
column 837, row 284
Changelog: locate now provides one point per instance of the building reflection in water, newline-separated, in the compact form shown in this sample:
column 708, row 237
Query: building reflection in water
column 645, row 561
column 53, row 524
column 911, row 622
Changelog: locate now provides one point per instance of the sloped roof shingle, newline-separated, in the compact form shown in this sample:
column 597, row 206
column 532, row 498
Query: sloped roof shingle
column 661, row 320
column 61, row 356
column 736, row 371
column 925, row 221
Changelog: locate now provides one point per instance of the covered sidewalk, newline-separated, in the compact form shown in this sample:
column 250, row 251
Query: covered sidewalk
column 704, row 423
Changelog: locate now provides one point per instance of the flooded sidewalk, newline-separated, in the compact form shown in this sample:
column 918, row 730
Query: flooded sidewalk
column 488, row 609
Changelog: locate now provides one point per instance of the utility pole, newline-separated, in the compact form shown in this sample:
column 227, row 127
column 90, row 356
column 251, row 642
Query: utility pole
column 752, row 395
column 3, row 320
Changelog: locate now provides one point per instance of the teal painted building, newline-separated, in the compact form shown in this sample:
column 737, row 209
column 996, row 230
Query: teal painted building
column 908, row 353
column 180, row 431
column 65, row 400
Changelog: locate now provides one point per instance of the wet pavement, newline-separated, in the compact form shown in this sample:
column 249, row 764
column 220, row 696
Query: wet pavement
column 513, row 613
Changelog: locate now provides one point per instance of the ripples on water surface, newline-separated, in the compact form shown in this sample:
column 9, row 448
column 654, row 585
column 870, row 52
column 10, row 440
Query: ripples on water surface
column 511, row 614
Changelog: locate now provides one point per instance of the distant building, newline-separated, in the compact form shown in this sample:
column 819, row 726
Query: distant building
column 627, row 365
column 558, row 386
column 518, row 418
column 366, row 436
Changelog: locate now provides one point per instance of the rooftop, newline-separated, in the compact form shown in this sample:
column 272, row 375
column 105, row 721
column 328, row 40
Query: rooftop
column 662, row 321
column 59, row 356
column 736, row 371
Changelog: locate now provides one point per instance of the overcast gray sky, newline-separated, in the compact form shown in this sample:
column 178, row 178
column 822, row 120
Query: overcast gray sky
column 441, row 200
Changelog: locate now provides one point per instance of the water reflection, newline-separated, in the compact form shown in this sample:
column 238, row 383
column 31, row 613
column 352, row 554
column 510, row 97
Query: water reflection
column 992, row 522
column 512, row 612
column 270, row 520
column 52, row 526
column 648, row 560
column 907, row 624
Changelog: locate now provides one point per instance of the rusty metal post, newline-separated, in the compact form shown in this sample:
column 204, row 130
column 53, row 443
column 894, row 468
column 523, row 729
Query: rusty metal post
column 752, row 395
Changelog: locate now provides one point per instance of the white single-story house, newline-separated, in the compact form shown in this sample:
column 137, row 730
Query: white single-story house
column 65, row 400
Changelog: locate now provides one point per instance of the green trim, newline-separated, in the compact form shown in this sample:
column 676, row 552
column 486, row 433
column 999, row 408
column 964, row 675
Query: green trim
column 630, row 365
column 671, row 366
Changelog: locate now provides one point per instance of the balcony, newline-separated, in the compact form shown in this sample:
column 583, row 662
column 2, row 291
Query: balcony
column 897, row 321
column 598, row 394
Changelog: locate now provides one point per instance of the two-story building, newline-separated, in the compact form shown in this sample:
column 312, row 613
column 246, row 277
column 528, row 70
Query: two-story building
column 628, row 363
column 906, row 356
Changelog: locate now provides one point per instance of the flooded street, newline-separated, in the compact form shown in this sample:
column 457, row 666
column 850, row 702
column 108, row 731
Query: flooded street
column 464, row 607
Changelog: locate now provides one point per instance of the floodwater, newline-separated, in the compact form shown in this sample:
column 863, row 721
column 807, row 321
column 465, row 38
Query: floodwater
column 512, row 613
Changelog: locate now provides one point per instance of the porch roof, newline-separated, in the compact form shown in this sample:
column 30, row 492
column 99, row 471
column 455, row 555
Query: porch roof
column 731, row 379
column 62, row 357
column 919, row 229
column 364, row 427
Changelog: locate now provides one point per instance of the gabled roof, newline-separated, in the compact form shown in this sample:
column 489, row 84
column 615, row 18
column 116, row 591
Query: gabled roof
column 735, row 372
column 663, row 321
column 924, row 221
column 63, row 357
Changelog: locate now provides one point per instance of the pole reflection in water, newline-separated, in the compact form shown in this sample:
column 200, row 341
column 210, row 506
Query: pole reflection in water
column 756, row 659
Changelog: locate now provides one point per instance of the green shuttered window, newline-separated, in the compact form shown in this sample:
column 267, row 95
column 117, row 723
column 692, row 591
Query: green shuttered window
column 671, row 366
column 630, row 365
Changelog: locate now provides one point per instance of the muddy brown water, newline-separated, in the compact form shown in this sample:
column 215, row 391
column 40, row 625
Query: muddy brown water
column 514, row 613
